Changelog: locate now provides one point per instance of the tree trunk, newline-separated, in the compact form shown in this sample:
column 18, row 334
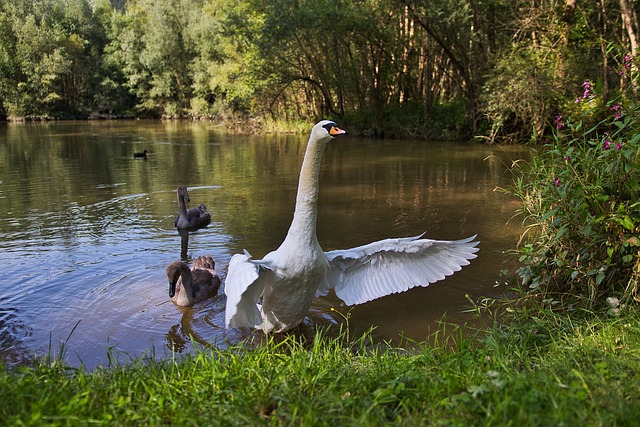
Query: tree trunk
column 603, row 28
column 632, row 27
column 630, row 24
column 459, row 58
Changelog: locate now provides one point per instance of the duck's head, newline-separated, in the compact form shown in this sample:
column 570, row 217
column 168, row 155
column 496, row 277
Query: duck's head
column 326, row 130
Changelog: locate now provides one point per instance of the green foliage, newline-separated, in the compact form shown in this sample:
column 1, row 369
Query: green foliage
column 543, row 361
column 388, row 67
column 511, row 103
column 553, row 47
column 49, row 57
column 536, row 369
column 581, row 199
column 175, row 58
column 446, row 121
column 147, row 43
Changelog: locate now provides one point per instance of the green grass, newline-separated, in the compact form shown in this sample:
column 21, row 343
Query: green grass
column 532, row 368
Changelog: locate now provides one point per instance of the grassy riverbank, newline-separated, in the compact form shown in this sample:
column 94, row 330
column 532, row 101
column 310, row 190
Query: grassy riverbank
column 537, row 368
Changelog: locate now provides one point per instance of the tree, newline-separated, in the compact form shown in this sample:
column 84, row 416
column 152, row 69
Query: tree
column 49, row 51
column 148, row 43
column 428, row 68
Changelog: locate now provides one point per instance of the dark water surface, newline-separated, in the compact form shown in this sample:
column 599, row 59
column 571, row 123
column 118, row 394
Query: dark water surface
column 86, row 230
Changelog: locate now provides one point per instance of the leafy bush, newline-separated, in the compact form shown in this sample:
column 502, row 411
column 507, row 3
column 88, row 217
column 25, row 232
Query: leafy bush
column 581, row 197
column 520, row 92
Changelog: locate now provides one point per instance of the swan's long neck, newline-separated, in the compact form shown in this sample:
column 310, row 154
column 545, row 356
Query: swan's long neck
column 182, row 207
column 303, row 226
column 187, row 280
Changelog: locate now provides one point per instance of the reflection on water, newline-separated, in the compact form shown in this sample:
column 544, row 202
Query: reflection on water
column 87, row 230
column 184, row 244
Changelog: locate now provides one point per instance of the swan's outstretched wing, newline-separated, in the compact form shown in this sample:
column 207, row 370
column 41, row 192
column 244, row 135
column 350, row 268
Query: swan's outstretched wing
column 243, row 289
column 390, row 266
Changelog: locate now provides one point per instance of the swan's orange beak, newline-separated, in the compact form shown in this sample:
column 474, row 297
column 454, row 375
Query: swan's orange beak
column 336, row 131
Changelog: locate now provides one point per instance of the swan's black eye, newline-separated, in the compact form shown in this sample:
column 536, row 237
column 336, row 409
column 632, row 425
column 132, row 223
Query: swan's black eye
column 328, row 127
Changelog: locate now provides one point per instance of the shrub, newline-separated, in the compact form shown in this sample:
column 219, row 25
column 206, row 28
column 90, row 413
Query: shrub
column 581, row 200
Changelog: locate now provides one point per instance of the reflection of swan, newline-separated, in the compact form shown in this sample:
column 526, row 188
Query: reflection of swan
column 194, row 218
column 184, row 243
column 142, row 155
column 187, row 287
column 288, row 278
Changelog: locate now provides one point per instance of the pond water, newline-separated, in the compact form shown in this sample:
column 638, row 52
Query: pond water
column 86, row 230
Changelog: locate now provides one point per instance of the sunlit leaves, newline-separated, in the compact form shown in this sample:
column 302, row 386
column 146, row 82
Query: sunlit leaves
column 50, row 56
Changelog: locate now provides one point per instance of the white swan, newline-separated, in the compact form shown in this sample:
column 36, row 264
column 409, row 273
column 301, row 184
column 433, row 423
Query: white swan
column 192, row 219
column 187, row 287
column 288, row 278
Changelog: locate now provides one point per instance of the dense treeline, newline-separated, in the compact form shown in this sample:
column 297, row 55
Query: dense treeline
column 433, row 68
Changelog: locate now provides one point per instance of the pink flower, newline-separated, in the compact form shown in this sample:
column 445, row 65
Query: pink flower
column 556, row 181
column 558, row 121
column 618, row 111
column 586, row 85
column 606, row 145
column 627, row 61
column 618, row 146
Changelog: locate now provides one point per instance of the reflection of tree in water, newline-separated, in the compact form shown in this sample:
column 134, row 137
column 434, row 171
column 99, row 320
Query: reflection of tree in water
column 12, row 331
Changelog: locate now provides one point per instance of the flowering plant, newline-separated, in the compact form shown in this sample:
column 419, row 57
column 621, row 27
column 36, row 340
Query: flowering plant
column 581, row 200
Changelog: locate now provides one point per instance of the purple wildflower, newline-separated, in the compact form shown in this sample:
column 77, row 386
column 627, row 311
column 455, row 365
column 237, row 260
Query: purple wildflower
column 618, row 146
column 566, row 158
column 586, row 85
column 627, row 61
column 558, row 121
column 606, row 145
column 556, row 181
column 617, row 108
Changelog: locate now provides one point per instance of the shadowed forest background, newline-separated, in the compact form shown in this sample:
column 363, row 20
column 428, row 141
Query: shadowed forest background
column 495, row 69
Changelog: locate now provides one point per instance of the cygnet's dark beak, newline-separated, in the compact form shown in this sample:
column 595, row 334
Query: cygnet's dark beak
column 172, row 288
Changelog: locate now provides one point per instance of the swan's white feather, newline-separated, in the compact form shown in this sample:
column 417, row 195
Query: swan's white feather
column 390, row 266
column 243, row 289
